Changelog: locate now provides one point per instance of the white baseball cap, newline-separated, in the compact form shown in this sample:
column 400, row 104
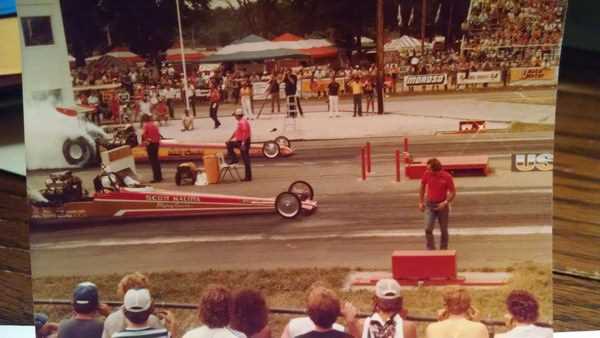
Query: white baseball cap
column 137, row 300
column 387, row 288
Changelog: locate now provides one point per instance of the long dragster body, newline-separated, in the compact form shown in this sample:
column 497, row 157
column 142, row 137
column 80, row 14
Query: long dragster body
column 67, row 202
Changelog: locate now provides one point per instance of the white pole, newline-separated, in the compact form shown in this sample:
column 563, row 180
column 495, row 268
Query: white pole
column 185, row 82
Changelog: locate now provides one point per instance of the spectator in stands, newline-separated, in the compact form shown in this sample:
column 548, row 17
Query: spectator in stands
column 248, row 313
column 85, row 321
column 137, row 308
column 323, row 309
column 387, row 320
column 214, row 314
column 302, row 325
column 116, row 321
column 523, row 312
column 457, row 318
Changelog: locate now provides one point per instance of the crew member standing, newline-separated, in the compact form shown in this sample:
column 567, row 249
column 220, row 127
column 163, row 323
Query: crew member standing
column 334, row 99
column 214, row 96
column 436, row 194
column 151, row 138
column 241, row 140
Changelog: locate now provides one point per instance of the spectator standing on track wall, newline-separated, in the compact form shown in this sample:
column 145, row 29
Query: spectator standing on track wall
column 187, row 121
column 436, row 193
column 137, row 307
column 151, row 138
column 323, row 309
column 274, row 93
column 145, row 109
column 523, row 312
column 333, row 89
column 369, row 90
column 214, row 314
column 116, row 321
column 241, row 139
column 246, row 98
column 458, row 318
column 86, row 308
column 387, row 320
column 214, row 97
column 44, row 328
column 357, row 90
column 249, row 314
column 302, row 325
column 291, row 89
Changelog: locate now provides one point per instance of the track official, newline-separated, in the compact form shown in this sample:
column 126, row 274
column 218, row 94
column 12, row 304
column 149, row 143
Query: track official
column 241, row 140
column 436, row 194
column 151, row 138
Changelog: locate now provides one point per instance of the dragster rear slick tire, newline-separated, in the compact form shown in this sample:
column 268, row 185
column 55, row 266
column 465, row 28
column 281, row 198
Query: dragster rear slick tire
column 303, row 190
column 78, row 152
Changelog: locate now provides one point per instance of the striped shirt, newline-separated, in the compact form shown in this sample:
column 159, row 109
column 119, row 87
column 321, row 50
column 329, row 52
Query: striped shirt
column 146, row 332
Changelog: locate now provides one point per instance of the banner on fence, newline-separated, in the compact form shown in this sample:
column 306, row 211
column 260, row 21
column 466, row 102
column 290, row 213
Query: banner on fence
column 532, row 76
column 313, row 87
column 493, row 76
column 523, row 162
column 427, row 79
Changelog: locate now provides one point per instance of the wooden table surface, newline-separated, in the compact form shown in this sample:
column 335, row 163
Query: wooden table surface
column 577, row 194
column 15, row 270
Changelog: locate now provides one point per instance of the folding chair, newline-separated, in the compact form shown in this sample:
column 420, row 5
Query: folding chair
column 225, row 168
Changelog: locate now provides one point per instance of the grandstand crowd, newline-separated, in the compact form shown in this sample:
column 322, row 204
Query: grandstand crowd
column 244, row 313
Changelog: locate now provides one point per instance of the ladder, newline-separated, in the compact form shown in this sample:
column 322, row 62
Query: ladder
column 289, row 122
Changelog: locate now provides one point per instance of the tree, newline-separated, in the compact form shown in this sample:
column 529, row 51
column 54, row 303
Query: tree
column 146, row 27
column 83, row 28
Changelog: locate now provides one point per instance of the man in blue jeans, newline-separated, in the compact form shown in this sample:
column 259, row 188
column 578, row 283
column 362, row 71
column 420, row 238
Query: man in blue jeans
column 438, row 186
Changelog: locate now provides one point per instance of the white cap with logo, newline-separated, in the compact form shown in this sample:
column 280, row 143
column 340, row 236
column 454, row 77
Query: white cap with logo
column 387, row 288
column 137, row 300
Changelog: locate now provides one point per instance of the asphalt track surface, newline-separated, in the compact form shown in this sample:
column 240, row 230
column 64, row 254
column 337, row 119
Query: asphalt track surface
column 496, row 221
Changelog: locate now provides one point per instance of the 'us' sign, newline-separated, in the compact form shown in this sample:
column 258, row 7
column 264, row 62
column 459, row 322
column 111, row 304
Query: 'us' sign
column 532, row 162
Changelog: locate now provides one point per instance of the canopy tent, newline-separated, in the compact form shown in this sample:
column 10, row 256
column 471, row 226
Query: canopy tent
column 121, row 53
column 315, row 48
column 107, row 61
column 173, row 54
column 252, row 48
column 403, row 43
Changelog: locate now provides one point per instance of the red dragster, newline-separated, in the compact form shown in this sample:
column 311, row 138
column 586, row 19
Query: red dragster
column 122, row 198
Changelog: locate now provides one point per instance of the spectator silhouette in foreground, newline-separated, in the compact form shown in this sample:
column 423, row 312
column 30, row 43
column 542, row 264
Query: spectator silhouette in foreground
column 301, row 325
column 85, row 321
column 458, row 318
column 43, row 327
column 137, row 307
column 116, row 321
column 214, row 313
column 323, row 309
column 248, row 313
column 523, row 312
column 387, row 320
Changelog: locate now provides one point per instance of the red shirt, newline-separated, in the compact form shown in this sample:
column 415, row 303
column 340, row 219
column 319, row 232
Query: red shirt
column 438, row 185
column 151, row 133
column 242, row 133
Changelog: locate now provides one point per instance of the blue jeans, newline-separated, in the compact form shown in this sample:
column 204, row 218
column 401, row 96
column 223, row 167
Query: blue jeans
column 431, row 215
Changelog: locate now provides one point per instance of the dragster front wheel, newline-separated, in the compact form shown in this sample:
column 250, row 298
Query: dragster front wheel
column 283, row 141
column 271, row 149
column 288, row 205
column 303, row 190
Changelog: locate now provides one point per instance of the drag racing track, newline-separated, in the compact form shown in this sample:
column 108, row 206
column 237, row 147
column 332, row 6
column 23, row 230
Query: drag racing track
column 358, row 224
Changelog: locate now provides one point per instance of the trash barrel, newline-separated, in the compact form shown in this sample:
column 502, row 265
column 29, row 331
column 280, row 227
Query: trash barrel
column 211, row 168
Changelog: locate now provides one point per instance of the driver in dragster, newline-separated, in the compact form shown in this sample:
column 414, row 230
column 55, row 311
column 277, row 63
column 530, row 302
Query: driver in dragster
column 240, row 139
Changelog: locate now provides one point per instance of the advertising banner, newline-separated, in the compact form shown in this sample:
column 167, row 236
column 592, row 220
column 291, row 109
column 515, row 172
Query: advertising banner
column 478, row 77
column 532, row 76
column 427, row 79
column 524, row 162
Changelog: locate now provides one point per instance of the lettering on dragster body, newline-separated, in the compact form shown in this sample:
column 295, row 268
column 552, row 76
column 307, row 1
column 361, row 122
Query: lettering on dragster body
column 167, row 198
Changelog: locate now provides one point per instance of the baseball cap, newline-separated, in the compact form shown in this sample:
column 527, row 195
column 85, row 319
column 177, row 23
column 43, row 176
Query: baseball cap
column 387, row 288
column 39, row 320
column 137, row 300
column 238, row 112
column 85, row 297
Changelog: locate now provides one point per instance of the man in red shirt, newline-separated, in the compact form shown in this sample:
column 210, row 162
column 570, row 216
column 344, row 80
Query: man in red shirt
column 439, row 186
column 151, row 138
column 240, row 139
